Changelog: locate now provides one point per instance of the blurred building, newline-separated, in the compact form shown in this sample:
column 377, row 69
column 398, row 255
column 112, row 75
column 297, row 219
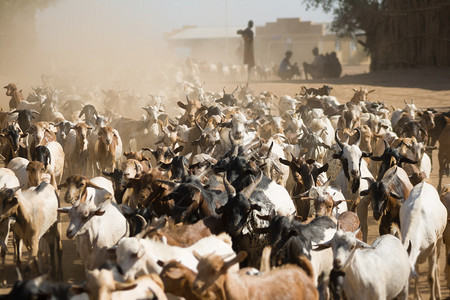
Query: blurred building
column 271, row 42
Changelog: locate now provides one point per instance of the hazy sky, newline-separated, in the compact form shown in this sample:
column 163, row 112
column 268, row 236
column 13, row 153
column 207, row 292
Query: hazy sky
column 141, row 18
column 101, row 39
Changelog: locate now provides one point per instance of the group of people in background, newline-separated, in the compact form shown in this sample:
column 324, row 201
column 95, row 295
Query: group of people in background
column 323, row 66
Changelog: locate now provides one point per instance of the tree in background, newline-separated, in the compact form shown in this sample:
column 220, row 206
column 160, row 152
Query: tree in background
column 398, row 33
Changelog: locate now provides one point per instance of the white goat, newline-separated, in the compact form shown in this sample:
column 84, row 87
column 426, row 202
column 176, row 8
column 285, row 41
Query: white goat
column 423, row 219
column 380, row 271
column 140, row 256
column 95, row 230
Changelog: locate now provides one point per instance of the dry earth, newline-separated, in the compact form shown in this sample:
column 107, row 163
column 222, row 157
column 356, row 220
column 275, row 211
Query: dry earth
column 428, row 87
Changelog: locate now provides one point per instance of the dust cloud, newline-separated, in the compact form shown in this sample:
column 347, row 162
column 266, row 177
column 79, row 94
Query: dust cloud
column 86, row 46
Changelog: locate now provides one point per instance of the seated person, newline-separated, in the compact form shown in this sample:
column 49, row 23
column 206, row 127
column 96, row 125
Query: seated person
column 315, row 69
column 333, row 68
column 287, row 70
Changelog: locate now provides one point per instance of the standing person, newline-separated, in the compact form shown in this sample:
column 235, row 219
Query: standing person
column 247, row 35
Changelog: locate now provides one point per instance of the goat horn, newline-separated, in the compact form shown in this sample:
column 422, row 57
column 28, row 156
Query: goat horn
column 386, row 145
column 142, row 219
column 358, row 139
column 198, row 126
column 231, row 191
column 232, row 140
column 234, row 90
column 336, row 138
column 168, row 182
column 251, row 188
column 270, row 150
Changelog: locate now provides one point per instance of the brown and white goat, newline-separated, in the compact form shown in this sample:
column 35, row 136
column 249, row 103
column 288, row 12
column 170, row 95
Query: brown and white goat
column 106, row 151
column 214, row 276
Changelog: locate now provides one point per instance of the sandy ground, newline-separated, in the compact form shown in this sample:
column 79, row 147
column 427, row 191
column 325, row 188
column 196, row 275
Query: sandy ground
column 428, row 87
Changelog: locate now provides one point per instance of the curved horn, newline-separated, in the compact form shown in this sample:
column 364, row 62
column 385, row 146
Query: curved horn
column 198, row 126
column 231, row 191
column 143, row 221
column 234, row 90
column 386, row 145
column 358, row 139
column 232, row 140
column 264, row 217
column 168, row 182
column 370, row 180
column 251, row 188
column 336, row 138
column 270, row 150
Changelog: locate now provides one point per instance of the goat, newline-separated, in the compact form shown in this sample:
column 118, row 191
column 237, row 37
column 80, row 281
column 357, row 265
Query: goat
column 35, row 211
column 101, row 285
column 139, row 256
column 386, row 197
column 215, row 276
column 76, row 149
column 444, row 151
column 371, row 272
column 81, row 189
column 106, row 152
column 423, row 219
column 445, row 199
column 95, row 229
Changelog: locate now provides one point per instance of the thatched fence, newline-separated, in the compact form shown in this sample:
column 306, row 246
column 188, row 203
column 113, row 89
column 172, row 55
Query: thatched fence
column 411, row 33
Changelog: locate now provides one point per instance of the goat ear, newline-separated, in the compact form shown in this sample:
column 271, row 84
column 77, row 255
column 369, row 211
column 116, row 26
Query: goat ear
column 323, row 246
column 77, row 289
column 362, row 245
column 99, row 212
column 227, row 124
column 220, row 210
column 62, row 185
column 112, row 250
column 164, row 166
column 364, row 193
column 366, row 154
column 121, row 286
column 336, row 203
column 293, row 232
column 93, row 185
column 64, row 209
column 256, row 206
column 239, row 257
column 404, row 159
column 336, row 156
column 178, row 149
column 182, row 105
column 175, row 273
column 263, row 230
column 196, row 255
column 395, row 195
column 160, row 263
column 284, row 161
column 324, row 168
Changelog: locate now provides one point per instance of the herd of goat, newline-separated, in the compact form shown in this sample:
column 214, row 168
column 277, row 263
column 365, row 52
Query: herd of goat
column 239, row 196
